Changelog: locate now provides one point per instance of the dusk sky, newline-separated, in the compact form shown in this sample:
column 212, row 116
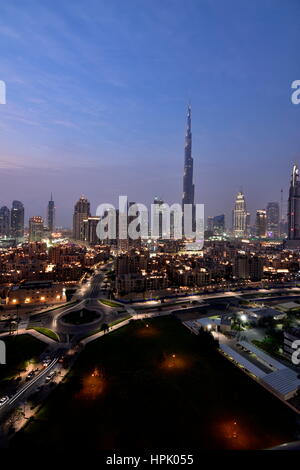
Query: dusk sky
column 97, row 94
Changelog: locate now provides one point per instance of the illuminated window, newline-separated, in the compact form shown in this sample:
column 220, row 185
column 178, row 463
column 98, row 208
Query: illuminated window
column 27, row 300
column 14, row 301
column 42, row 298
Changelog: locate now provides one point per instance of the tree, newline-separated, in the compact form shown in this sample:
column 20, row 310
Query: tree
column 206, row 340
column 104, row 327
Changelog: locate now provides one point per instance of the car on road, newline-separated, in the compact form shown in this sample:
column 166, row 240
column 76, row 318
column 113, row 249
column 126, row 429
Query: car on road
column 50, row 376
column 3, row 400
column 30, row 375
column 46, row 362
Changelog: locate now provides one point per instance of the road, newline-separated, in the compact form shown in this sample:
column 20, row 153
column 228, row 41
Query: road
column 28, row 388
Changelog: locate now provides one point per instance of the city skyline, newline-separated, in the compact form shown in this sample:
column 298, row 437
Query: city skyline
column 150, row 229
column 132, row 123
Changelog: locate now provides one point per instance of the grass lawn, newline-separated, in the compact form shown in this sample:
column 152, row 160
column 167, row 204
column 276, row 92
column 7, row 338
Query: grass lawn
column 119, row 320
column 19, row 350
column 49, row 333
column 110, row 303
column 149, row 386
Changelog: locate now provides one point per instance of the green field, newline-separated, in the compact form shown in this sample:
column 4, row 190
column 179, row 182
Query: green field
column 150, row 385
column 19, row 350
column 47, row 332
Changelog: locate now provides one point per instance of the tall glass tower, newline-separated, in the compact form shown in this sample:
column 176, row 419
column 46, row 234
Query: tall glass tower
column 294, row 206
column 188, row 186
column 51, row 215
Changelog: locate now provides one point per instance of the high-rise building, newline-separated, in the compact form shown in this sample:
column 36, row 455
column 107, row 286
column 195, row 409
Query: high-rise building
column 261, row 223
column 17, row 219
column 273, row 216
column 36, row 229
column 158, row 214
column 294, row 206
column 188, row 196
column 239, row 216
column 219, row 224
column 248, row 223
column 51, row 215
column 210, row 223
column 248, row 267
column 89, row 227
column 81, row 212
column 4, row 221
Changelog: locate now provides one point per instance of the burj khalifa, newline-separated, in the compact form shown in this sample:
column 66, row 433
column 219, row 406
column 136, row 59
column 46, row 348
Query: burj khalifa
column 188, row 186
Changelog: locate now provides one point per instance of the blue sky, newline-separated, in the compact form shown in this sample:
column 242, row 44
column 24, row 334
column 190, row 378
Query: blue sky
column 97, row 94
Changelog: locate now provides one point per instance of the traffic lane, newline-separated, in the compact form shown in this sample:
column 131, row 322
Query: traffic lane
column 27, row 389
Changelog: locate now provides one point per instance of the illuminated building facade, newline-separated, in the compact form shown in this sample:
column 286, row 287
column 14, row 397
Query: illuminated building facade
column 81, row 213
column 261, row 224
column 37, row 292
column 36, row 229
column 239, row 216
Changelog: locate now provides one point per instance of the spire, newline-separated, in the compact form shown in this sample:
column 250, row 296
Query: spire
column 295, row 174
column 51, row 197
column 189, row 120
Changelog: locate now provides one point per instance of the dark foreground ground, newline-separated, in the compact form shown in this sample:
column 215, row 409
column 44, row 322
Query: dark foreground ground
column 152, row 387
column 20, row 350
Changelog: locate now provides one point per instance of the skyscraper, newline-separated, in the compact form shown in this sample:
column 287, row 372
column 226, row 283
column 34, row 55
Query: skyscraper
column 4, row 221
column 219, row 224
column 157, row 206
column 188, row 196
column 88, row 232
column 239, row 216
column 36, row 229
column 17, row 219
column 51, row 215
column 261, row 223
column 81, row 212
column 294, row 206
column 273, row 215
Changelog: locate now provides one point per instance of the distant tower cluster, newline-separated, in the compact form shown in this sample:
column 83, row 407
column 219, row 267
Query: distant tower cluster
column 239, row 216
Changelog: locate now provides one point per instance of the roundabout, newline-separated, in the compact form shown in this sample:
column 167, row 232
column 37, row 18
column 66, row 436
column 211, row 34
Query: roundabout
column 79, row 323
